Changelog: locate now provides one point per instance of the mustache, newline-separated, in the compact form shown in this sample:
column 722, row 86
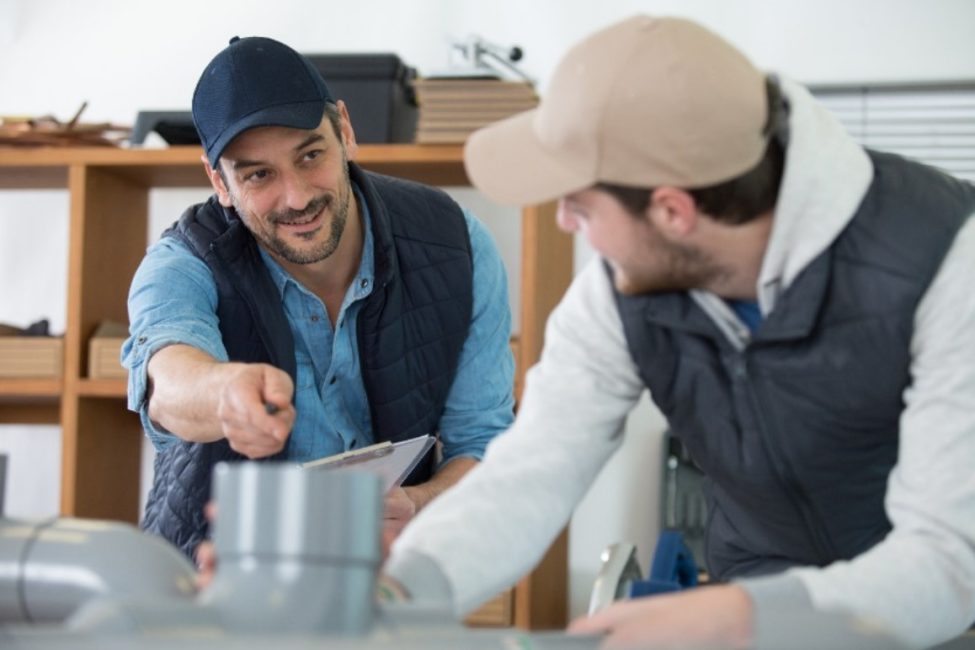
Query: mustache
column 314, row 207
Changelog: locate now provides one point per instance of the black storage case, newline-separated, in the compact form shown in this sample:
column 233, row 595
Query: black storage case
column 378, row 90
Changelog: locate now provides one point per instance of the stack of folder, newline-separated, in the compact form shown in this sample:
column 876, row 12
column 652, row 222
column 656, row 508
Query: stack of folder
column 453, row 108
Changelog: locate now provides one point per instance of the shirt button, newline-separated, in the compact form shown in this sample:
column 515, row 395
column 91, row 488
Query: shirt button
column 332, row 380
column 314, row 318
column 364, row 283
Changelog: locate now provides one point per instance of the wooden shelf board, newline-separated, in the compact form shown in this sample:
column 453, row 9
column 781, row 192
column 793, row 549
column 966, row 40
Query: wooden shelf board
column 33, row 178
column 29, row 387
column 37, row 410
column 180, row 166
column 30, row 401
column 171, row 167
column 102, row 388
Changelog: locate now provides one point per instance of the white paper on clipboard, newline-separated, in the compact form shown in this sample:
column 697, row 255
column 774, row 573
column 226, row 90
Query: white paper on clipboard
column 392, row 461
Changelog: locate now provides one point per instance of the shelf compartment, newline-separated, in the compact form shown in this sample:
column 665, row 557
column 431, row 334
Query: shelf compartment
column 180, row 166
column 27, row 388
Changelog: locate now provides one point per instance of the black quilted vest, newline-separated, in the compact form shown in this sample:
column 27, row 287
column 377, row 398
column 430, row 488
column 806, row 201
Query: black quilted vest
column 410, row 330
column 798, row 432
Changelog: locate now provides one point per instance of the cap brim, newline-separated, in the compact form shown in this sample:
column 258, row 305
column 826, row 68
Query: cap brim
column 508, row 163
column 300, row 115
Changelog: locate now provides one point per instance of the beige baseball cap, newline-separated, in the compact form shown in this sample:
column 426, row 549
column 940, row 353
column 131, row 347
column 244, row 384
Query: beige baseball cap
column 645, row 102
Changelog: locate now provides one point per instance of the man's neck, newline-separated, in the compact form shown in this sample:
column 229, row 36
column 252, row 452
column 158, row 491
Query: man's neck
column 329, row 279
column 739, row 250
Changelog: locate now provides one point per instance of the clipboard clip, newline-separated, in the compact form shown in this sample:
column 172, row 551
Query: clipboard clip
column 356, row 456
column 393, row 461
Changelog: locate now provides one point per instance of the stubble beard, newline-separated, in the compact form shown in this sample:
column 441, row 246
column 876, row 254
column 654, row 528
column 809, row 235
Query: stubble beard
column 337, row 205
column 680, row 268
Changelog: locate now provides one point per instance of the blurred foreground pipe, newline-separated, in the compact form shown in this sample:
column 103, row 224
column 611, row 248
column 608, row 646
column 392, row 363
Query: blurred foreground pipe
column 49, row 568
column 298, row 550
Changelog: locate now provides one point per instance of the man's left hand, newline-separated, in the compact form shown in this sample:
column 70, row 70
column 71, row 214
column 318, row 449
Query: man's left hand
column 402, row 504
column 398, row 509
column 709, row 617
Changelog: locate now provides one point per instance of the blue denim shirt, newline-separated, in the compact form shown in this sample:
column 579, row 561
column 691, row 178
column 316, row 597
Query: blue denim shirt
column 173, row 299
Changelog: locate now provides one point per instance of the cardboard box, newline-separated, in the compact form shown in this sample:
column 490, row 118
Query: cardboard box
column 31, row 356
column 104, row 348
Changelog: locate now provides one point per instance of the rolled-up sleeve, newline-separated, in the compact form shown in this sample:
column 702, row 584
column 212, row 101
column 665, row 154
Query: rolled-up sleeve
column 480, row 404
column 172, row 300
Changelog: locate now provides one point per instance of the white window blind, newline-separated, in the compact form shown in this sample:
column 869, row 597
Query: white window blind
column 933, row 123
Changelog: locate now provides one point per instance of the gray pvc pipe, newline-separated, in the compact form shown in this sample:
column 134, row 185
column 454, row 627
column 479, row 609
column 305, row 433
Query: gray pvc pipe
column 298, row 553
column 298, row 549
column 49, row 568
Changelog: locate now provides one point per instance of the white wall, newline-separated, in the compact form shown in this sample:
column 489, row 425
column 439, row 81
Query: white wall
column 126, row 55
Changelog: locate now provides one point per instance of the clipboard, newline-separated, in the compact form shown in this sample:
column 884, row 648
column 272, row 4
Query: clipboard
column 392, row 461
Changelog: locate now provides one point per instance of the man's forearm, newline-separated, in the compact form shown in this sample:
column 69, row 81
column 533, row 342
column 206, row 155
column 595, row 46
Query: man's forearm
column 184, row 390
column 201, row 399
column 445, row 477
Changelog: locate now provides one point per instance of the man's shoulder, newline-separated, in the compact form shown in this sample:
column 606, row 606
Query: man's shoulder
column 181, row 247
column 169, row 258
column 419, row 213
column 200, row 219
column 209, row 228
column 406, row 196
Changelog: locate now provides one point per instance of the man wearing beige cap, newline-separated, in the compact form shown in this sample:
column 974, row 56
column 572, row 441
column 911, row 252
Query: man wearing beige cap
column 800, row 310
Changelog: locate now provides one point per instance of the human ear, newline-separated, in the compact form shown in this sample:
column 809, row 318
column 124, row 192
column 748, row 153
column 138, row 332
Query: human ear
column 347, row 134
column 673, row 212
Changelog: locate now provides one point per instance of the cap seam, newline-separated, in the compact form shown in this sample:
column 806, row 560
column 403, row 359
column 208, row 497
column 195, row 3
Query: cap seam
column 600, row 144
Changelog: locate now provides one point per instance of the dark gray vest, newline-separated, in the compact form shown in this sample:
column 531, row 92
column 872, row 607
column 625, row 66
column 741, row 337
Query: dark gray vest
column 410, row 330
column 798, row 432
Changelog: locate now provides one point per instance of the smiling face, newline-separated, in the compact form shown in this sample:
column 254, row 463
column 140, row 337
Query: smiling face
column 290, row 187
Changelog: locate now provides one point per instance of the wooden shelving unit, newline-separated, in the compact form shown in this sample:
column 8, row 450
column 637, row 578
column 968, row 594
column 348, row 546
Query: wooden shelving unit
column 108, row 222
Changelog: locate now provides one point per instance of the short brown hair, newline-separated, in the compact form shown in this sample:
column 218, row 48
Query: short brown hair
column 332, row 113
column 740, row 199
column 334, row 118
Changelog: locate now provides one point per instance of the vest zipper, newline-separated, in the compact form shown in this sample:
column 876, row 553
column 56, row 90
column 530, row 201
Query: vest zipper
column 796, row 495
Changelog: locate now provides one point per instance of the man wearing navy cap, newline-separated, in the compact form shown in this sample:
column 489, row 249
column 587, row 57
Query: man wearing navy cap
column 309, row 307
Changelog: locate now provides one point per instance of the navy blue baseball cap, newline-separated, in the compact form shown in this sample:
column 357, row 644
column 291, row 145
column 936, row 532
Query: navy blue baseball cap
column 255, row 81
